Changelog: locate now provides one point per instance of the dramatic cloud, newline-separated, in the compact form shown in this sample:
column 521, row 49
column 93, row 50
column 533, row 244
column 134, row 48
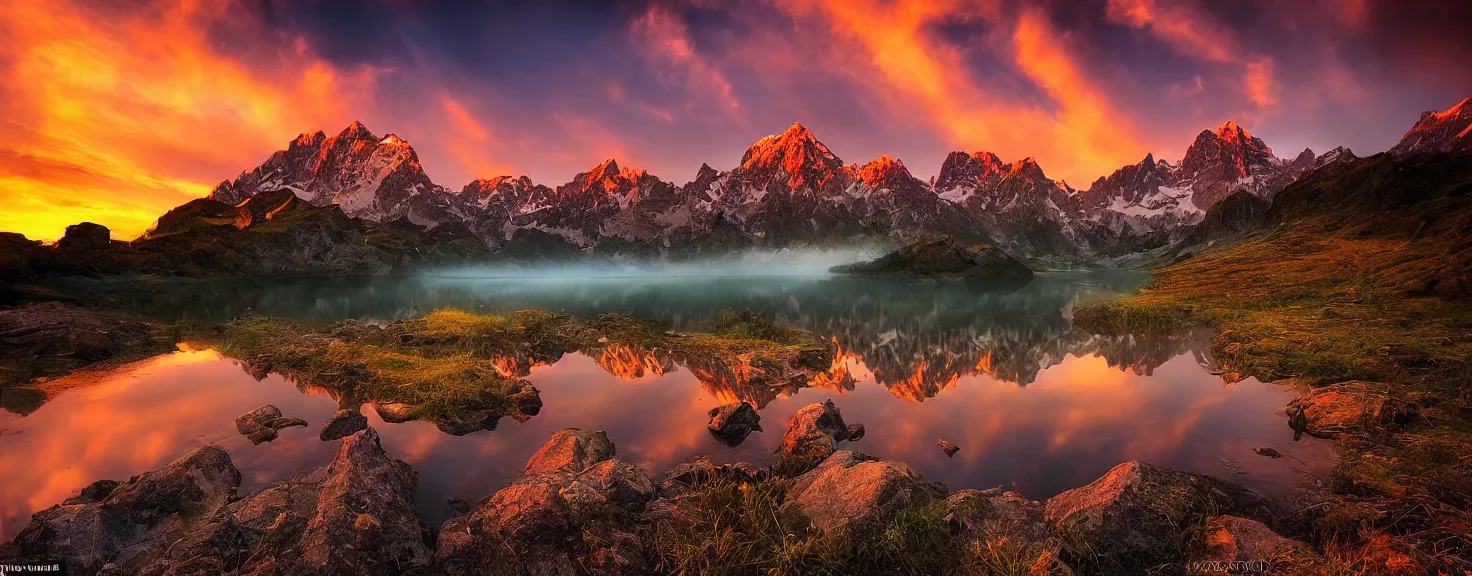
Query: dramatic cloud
column 115, row 112
column 665, row 39
column 114, row 116
column 1200, row 36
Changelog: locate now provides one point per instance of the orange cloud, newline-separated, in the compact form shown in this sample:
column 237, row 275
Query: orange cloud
column 665, row 38
column 905, row 62
column 470, row 143
column 1199, row 36
column 116, row 115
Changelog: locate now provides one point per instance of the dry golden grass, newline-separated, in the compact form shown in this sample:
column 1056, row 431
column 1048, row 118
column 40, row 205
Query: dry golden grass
column 1326, row 304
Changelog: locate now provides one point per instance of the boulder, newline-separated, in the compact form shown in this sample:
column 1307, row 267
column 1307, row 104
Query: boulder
column 365, row 521
column 947, row 447
column 525, row 402
column 1135, row 515
column 261, row 425
column 855, row 432
column 556, row 518
column 1236, row 539
column 852, row 496
column 732, row 423
column 85, row 236
column 355, row 516
column 94, row 492
column 700, row 470
column 571, row 450
column 621, row 482
column 813, row 432
column 343, row 423
column 257, row 418
column 87, row 536
column 1348, row 407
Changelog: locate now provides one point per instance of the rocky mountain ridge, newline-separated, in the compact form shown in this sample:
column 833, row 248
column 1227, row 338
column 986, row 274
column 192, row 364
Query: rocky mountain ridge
column 790, row 189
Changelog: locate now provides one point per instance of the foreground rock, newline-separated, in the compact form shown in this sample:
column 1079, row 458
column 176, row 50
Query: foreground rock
column 852, row 496
column 568, row 514
column 262, row 424
column 580, row 510
column 1236, row 539
column 813, row 433
column 941, row 256
column 1135, row 515
column 343, row 423
column 571, row 450
column 732, row 423
column 1348, row 407
column 699, row 471
column 356, row 516
column 107, row 524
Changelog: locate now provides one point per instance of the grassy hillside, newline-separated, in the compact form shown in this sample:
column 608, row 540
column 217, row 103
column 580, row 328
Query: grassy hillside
column 1364, row 274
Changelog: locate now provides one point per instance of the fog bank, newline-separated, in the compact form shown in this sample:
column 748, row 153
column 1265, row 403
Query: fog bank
column 787, row 262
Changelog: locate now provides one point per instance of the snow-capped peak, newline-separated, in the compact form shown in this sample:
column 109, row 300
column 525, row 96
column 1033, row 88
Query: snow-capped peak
column 1447, row 131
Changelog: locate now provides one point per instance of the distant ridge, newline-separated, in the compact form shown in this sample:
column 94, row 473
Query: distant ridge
column 790, row 189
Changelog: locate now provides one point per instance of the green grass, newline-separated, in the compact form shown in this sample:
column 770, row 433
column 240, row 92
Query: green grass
column 435, row 380
column 452, row 359
column 727, row 527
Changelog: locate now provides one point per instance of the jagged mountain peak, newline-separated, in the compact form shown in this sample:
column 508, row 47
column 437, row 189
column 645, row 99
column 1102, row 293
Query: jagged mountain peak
column 882, row 169
column 1446, row 131
column 793, row 150
column 356, row 131
column 1027, row 168
column 969, row 169
column 311, row 139
column 605, row 169
column 609, row 173
column 1230, row 130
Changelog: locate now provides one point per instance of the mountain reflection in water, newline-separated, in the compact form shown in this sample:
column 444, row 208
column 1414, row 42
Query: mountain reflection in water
column 915, row 338
column 1033, row 403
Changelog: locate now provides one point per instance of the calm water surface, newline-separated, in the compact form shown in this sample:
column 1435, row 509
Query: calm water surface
column 1033, row 403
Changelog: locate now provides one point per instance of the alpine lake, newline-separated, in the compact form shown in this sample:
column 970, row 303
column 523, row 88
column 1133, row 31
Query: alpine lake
column 1034, row 404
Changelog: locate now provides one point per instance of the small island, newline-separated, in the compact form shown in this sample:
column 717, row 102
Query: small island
column 935, row 256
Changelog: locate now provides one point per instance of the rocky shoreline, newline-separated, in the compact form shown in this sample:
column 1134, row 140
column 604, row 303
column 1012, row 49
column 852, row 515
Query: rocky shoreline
column 579, row 509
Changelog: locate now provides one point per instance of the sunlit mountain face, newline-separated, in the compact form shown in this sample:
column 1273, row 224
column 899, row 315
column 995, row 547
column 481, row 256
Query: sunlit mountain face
column 118, row 112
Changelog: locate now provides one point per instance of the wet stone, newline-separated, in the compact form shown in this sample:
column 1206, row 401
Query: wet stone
column 342, row 424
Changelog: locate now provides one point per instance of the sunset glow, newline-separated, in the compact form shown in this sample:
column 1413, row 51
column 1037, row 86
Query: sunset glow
column 116, row 113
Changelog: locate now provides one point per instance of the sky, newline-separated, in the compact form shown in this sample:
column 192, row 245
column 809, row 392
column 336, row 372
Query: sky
column 115, row 111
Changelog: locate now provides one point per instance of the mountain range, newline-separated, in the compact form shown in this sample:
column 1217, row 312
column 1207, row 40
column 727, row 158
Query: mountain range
column 790, row 189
